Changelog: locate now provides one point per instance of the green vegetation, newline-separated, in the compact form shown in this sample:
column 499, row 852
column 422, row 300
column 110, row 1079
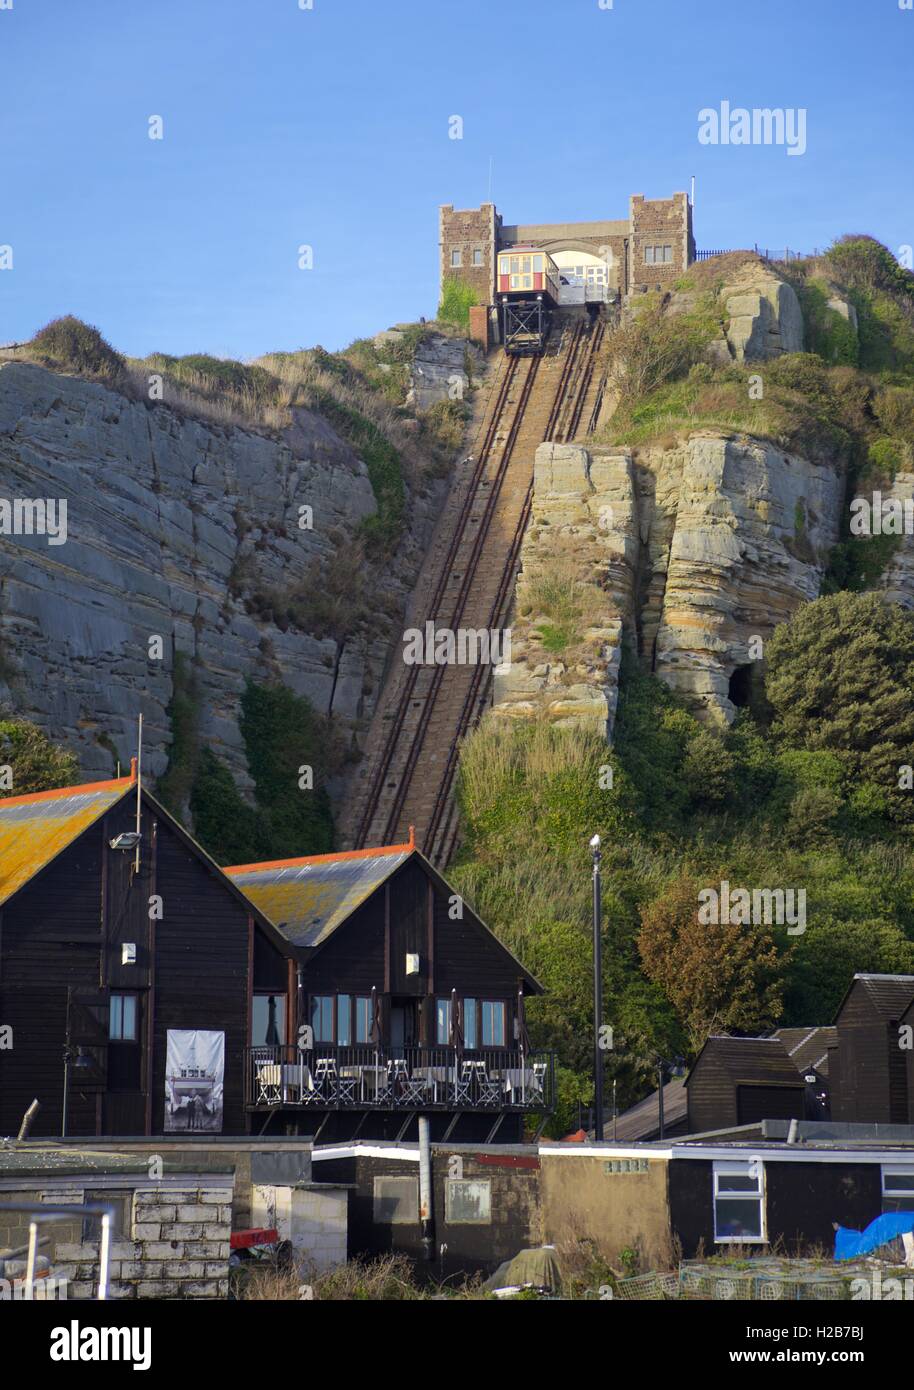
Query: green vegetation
column 801, row 792
column 216, row 376
column 69, row 345
column 384, row 466
column 560, row 606
column 457, row 299
column 290, row 752
column 37, row 764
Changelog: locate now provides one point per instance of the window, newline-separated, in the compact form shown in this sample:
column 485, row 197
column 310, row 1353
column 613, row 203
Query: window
column 322, row 1017
column 493, row 1023
column 456, row 260
column 396, row 1201
column 443, row 1021
column 739, row 1207
column 120, row 1216
column 537, row 264
column 470, row 1036
column 343, row 1020
column 468, row 1203
column 268, row 1020
column 363, row 1020
column 122, row 1018
column 658, row 255
column 477, row 258
column 898, row 1188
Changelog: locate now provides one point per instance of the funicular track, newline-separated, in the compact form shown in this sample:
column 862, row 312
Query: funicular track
column 428, row 709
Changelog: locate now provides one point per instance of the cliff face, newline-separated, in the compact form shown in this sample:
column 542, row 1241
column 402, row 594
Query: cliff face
column 698, row 550
column 172, row 526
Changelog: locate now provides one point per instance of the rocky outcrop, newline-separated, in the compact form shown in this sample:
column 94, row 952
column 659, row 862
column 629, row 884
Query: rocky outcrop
column 439, row 370
column 762, row 315
column 172, row 526
column 700, row 551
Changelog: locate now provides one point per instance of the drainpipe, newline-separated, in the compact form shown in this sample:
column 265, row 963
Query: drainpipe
column 426, row 1209
column 792, row 1131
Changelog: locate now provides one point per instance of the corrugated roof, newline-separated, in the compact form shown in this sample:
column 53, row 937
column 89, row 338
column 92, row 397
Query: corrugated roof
column 309, row 898
column 808, row 1047
column 34, row 829
column 890, row 994
column 749, row 1059
column 642, row 1121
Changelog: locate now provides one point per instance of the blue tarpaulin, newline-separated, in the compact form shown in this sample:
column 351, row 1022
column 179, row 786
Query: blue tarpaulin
column 849, row 1244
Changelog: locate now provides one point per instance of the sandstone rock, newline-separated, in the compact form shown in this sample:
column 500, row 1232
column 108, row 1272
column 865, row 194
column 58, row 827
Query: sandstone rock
column 702, row 548
column 764, row 314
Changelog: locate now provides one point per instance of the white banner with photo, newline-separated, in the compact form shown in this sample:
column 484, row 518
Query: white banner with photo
column 194, row 1077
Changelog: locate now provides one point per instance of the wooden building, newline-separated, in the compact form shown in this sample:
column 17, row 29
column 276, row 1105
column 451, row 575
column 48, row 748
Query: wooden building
column 405, row 1001
column 738, row 1081
column 868, row 1066
column 114, row 951
column 145, row 990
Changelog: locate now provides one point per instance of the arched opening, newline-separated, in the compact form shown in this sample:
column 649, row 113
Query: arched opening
column 740, row 691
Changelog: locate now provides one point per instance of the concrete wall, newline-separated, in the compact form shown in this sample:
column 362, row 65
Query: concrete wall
column 313, row 1217
column 581, row 1196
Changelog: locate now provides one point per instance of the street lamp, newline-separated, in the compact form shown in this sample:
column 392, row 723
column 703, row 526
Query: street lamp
column 72, row 1057
column 597, row 993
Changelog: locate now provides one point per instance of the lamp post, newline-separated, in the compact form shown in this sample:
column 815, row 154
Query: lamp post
column 597, row 993
column 75, row 1057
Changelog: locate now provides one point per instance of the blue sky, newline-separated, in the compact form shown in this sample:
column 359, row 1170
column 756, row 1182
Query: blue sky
column 329, row 127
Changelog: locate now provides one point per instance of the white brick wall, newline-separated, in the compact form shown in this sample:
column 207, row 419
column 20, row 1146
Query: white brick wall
column 180, row 1247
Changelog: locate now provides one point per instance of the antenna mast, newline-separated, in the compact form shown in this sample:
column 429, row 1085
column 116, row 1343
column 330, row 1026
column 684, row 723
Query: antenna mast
column 139, row 791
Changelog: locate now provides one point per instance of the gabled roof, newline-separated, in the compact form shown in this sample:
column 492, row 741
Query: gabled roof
column 750, row 1060
column 888, row 995
column 309, row 898
column 808, row 1047
column 35, row 829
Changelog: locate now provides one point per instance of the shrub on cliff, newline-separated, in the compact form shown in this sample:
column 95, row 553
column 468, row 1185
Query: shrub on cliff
column 36, row 764
column 840, row 678
column 78, row 347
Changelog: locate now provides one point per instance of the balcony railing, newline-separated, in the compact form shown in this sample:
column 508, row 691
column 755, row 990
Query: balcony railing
column 415, row 1078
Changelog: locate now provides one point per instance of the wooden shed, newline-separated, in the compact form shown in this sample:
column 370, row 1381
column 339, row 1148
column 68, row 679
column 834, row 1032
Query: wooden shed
column 739, row 1081
column 869, row 1069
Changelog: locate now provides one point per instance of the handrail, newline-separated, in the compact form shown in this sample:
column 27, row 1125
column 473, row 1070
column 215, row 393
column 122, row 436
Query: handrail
column 364, row 1077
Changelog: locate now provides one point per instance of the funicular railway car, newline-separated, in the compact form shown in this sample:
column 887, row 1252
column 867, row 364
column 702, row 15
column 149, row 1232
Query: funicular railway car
column 527, row 293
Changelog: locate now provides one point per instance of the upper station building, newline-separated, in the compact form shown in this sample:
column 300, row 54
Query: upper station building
column 650, row 249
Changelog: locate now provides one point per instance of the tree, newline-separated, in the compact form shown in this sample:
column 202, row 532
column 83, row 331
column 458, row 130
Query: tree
column 723, row 976
column 36, row 763
column 841, row 678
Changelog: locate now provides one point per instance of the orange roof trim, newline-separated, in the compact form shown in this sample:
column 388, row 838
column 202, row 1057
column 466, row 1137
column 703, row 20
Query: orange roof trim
column 84, row 789
column 325, row 858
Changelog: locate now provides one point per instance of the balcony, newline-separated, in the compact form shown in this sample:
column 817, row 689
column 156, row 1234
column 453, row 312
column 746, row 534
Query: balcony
column 418, row 1079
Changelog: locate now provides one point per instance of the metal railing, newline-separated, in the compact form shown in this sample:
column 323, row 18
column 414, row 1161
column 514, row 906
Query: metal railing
column 327, row 1077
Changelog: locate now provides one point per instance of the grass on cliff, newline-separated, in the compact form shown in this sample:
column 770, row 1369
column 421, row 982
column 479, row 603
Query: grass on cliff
column 847, row 402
